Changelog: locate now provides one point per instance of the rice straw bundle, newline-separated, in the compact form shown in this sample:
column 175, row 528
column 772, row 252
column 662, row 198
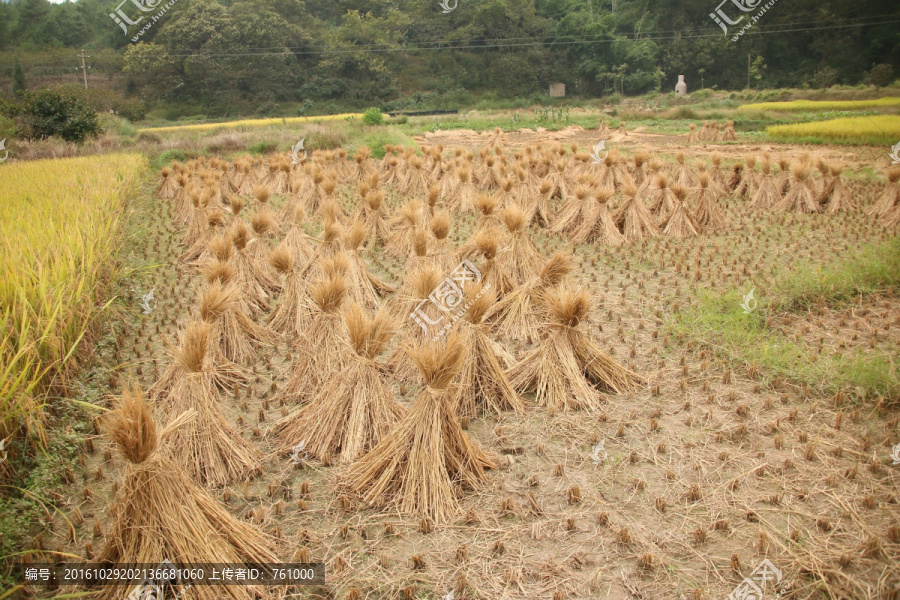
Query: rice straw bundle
column 215, row 220
column 890, row 199
column 265, row 211
column 419, row 466
column 767, row 195
column 169, row 187
column 416, row 183
column 355, row 410
column 296, row 239
column 783, row 181
column 364, row 288
column 482, row 384
column 558, row 180
column 708, row 217
column 680, row 224
column 661, row 200
column 598, row 225
column 208, row 448
column 251, row 279
column 463, row 198
column 160, row 513
column 639, row 171
column 330, row 208
column 419, row 319
column 802, row 198
column 294, row 311
column 486, row 205
column 487, row 244
column 692, row 134
column 633, row 217
column 603, row 129
column 737, row 175
column 362, row 164
column 410, row 216
column 573, row 212
column 729, row 135
column 504, row 193
column 197, row 221
column 520, row 315
column 565, row 366
column 238, row 336
column 718, row 184
column 322, row 353
column 835, row 196
column 490, row 175
column 683, row 174
column 747, row 185
column 518, row 260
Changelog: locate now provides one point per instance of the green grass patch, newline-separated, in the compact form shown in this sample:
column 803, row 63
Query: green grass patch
column 721, row 324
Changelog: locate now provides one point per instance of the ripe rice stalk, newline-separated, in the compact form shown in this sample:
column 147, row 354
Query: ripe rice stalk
column 802, row 198
column 520, row 315
column 420, row 466
column 355, row 410
column 708, row 217
column 322, row 351
column 160, row 513
column 680, row 224
column 598, row 225
column 566, row 365
column 633, row 217
column 518, row 260
column 482, row 384
column 890, row 198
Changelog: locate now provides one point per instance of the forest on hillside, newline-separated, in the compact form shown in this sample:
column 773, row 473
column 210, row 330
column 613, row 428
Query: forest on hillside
column 218, row 52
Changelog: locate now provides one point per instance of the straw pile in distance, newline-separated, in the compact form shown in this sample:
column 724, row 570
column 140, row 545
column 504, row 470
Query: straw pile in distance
column 565, row 366
column 207, row 448
column 418, row 467
column 160, row 513
column 482, row 383
column 355, row 410
column 520, row 315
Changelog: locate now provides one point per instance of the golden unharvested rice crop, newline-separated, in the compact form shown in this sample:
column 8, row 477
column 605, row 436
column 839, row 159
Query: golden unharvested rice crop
column 876, row 129
column 59, row 226
column 821, row 105
column 249, row 123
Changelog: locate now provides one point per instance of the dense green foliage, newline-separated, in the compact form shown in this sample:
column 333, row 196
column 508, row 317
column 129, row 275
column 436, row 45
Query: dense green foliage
column 220, row 55
column 46, row 113
column 373, row 116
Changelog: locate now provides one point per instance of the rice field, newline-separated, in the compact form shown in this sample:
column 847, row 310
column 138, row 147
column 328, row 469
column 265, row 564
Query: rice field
column 874, row 129
column 823, row 105
column 60, row 226
column 244, row 123
column 498, row 367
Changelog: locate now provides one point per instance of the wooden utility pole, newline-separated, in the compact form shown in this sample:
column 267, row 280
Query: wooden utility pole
column 84, row 69
column 591, row 4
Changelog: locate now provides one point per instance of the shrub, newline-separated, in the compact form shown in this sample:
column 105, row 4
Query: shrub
column 264, row 148
column 49, row 113
column 373, row 116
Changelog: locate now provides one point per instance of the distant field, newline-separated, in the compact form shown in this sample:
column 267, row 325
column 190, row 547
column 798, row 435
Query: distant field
column 249, row 123
column 876, row 129
column 823, row 105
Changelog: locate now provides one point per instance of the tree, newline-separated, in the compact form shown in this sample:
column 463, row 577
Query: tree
column 20, row 86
